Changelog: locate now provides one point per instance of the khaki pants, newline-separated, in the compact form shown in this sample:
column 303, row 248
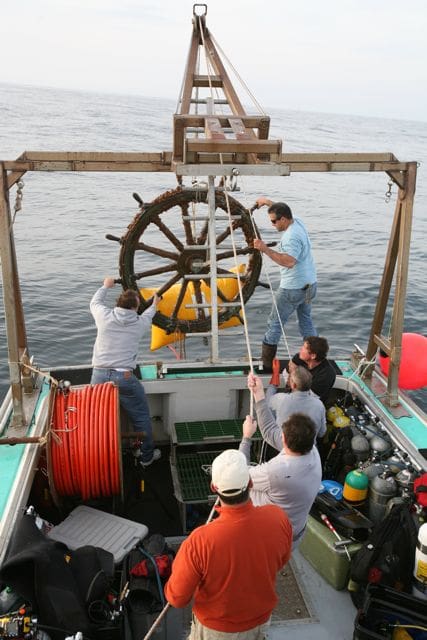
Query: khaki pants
column 199, row 632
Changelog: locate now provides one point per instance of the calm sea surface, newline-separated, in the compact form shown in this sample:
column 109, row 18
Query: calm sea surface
column 63, row 255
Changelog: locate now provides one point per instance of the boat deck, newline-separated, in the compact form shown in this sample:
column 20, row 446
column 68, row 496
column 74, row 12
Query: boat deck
column 332, row 612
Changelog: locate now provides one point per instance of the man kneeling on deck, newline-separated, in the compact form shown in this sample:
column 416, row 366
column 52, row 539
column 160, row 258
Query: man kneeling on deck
column 229, row 566
column 291, row 479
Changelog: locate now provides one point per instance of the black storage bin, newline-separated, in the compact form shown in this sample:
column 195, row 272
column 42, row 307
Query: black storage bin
column 384, row 608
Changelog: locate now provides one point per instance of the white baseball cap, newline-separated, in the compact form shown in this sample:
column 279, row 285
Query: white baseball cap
column 230, row 472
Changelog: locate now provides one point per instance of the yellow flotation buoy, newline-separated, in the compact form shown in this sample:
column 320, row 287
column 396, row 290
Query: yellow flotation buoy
column 159, row 338
column 334, row 412
column 341, row 421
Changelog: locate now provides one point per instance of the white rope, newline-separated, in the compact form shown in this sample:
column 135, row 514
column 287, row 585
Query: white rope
column 248, row 346
column 167, row 605
column 230, row 224
column 242, row 303
column 209, row 73
column 363, row 363
column 273, row 298
column 24, row 365
column 242, row 82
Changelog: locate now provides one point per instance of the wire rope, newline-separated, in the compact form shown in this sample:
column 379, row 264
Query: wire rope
column 238, row 76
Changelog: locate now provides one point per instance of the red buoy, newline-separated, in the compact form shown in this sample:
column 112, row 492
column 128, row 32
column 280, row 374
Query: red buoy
column 413, row 362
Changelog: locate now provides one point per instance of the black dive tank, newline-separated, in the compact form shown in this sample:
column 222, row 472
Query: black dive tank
column 381, row 489
column 373, row 468
column 380, row 445
column 405, row 478
column 9, row 600
column 360, row 448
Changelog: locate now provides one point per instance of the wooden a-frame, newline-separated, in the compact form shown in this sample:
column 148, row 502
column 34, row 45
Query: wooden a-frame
column 223, row 144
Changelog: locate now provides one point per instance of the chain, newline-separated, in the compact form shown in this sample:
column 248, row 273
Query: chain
column 387, row 195
column 18, row 199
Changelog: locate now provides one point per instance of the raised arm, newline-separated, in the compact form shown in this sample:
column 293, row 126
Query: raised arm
column 267, row 424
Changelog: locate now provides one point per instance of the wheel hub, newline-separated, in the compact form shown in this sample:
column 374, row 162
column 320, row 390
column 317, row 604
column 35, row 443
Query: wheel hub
column 193, row 262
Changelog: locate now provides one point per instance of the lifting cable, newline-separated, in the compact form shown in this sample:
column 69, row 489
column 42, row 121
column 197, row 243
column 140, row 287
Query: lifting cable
column 267, row 273
column 250, row 211
column 238, row 76
column 233, row 243
column 245, row 326
column 165, row 609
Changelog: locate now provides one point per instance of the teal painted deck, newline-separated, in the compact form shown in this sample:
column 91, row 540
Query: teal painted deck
column 413, row 427
column 11, row 456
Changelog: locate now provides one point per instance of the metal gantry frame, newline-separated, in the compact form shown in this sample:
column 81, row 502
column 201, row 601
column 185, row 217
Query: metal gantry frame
column 214, row 145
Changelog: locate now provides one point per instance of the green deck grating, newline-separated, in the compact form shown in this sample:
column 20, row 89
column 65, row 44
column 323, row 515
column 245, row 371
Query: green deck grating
column 191, row 432
column 194, row 482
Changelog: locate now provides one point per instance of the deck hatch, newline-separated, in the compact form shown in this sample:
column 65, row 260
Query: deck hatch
column 209, row 430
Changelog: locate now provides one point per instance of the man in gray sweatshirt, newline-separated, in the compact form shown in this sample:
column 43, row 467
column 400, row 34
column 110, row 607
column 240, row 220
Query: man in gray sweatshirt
column 115, row 353
column 300, row 400
column 291, row 479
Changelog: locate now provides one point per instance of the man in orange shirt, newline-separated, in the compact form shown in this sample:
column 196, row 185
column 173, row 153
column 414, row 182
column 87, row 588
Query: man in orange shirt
column 229, row 566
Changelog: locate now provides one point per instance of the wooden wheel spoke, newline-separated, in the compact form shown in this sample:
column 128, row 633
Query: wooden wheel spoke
column 169, row 258
column 180, row 298
column 157, row 251
column 221, row 295
column 201, row 239
column 155, row 272
column 222, row 271
column 187, row 225
column 230, row 254
column 168, row 284
column 168, row 233
column 222, row 236
column 199, row 298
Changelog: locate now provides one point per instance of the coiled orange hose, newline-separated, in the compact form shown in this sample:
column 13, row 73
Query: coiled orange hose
column 85, row 460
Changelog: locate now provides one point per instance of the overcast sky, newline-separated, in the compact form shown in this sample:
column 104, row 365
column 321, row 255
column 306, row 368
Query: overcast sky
column 366, row 57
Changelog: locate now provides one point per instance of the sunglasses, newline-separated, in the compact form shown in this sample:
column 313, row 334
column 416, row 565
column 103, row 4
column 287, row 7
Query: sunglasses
column 275, row 220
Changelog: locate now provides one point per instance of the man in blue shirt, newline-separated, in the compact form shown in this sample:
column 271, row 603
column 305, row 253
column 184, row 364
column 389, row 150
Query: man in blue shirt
column 297, row 276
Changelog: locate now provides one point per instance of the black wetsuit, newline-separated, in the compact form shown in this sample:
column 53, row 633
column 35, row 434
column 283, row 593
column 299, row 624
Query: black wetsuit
column 323, row 374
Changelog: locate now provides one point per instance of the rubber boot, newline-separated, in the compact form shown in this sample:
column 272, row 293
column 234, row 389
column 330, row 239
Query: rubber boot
column 275, row 378
column 268, row 353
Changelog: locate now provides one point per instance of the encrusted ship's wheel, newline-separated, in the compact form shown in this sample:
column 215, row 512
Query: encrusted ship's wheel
column 169, row 240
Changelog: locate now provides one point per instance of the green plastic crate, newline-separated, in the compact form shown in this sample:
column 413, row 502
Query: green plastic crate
column 193, row 482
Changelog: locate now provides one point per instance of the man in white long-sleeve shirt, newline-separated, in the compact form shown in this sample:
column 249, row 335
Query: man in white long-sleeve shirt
column 291, row 479
column 115, row 353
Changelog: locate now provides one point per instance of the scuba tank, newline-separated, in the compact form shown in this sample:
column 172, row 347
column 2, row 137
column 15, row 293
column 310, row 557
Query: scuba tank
column 419, row 587
column 358, row 418
column 369, row 430
column 355, row 487
column 382, row 488
column 372, row 468
column 397, row 461
column 380, row 445
column 405, row 478
column 360, row 448
column 9, row 600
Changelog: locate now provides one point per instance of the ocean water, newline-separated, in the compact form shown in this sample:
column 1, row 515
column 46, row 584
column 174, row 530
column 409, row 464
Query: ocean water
column 63, row 255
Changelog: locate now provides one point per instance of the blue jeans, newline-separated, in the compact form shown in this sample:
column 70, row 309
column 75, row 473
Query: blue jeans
column 134, row 402
column 288, row 301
